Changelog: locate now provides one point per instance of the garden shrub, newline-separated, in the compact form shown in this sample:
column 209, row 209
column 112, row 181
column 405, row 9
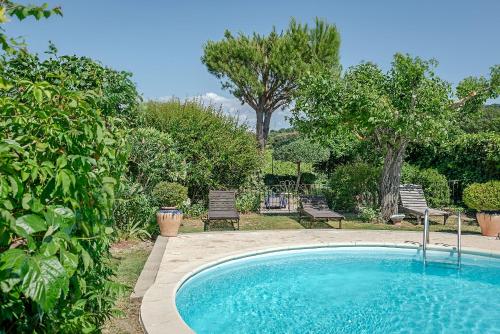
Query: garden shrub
column 133, row 211
column 169, row 194
column 194, row 210
column 434, row 184
column 60, row 163
column 153, row 158
column 468, row 157
column 483, row 196
column 369, row 215
column 248, row 200
column 353, row 186
column 218, row 151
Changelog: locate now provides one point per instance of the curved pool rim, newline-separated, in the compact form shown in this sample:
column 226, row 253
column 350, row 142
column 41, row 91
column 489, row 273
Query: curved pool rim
column 182, row 327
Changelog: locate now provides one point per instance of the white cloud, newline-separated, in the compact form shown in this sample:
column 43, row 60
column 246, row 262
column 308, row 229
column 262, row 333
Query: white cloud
column 243, row 112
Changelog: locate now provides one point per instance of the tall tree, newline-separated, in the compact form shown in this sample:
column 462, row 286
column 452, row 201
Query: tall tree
column 407, row 104
column 263, row 71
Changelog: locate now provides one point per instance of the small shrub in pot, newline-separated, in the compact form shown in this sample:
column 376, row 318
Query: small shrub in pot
column 485, row 198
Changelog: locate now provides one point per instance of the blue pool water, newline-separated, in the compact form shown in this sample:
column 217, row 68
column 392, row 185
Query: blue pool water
column 344, row 290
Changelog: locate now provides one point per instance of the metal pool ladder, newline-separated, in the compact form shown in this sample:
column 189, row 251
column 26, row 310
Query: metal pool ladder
column 425, row 240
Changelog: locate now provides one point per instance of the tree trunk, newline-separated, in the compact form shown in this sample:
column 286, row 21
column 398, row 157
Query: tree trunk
column 298, row 177
column 259, row 129
column 390, row 179
column 262, row 125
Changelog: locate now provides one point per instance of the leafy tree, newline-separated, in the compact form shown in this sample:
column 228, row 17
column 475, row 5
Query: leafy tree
column 407, row 104
column 60, row 162
column 263, row 71
column 10, row 9
column 301, row 150
column 118, row 95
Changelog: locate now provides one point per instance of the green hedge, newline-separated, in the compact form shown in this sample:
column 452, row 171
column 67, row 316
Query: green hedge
column 469, row 157
column 218, row 151
column 434, row 184
column 354, row 185
column 483, row 196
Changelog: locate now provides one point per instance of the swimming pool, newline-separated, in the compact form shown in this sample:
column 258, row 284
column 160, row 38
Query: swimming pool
column 344, row 290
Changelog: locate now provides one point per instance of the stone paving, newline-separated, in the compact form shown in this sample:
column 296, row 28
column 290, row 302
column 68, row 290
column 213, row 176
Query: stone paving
column 188, row 253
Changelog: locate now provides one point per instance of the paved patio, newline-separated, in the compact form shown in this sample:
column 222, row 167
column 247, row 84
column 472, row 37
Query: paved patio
column 187, row 253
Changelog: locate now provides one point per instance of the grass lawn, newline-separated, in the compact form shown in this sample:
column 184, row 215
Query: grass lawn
column 254, row 221
column 129, row 256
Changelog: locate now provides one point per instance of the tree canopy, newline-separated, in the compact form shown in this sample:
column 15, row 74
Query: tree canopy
column 408, row 103
column 263, row 70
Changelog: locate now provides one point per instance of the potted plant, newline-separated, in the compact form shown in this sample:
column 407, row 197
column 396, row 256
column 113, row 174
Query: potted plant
column 169, row 196
column 485, row 198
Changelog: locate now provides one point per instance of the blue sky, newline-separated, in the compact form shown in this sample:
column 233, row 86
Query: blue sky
column 160, row 42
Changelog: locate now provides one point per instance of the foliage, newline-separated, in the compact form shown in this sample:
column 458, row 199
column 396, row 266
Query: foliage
column 368, row 215
column 353, row 186
column 282, row 136
column 262, row 71
column 169, row 194
column 248, row 200
column 10, row 9
column 434, row 184
column 59, row 167
column 469, row 158
column 483, row 196
column 118, row 94
column 487, row 119
column 133, row 212
column 301, row 150
column 219, row 153
column 153, row 158
column 407, row 104
column 194, row 210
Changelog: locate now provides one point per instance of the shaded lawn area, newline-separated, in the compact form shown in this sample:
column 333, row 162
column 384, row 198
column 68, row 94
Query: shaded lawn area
column 128, row 258
column 250, row 222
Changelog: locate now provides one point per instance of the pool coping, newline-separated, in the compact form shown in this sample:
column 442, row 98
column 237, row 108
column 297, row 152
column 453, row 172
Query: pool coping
column 159, row 313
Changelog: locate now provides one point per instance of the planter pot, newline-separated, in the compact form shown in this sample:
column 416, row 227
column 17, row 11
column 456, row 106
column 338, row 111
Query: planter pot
column 169, row 220
column 489, row 222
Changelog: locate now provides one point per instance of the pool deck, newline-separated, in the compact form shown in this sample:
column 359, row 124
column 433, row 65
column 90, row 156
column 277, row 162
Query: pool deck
column 188, row 253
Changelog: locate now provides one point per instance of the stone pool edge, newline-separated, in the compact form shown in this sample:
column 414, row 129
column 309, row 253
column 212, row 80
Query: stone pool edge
column 159, row 314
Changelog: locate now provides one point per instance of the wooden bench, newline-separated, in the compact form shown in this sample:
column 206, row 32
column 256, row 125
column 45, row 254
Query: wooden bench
column 412, row 201
column 222, row 206
column 316, row 208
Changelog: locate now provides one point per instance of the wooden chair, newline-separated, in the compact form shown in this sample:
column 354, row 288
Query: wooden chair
column 412, row 201
column 222, row 206
column 316, row 208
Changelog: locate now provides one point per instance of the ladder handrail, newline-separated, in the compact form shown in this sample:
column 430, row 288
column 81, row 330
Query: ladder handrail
column 425, row 238
column 459, row 240
column 426, row 235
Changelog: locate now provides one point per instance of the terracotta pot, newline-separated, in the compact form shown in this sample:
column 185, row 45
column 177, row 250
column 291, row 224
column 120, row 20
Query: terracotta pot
column 169, row 219
column 489, row 222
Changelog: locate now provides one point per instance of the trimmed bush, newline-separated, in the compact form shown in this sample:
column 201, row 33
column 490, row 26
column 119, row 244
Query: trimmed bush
column 218, row 151
column 483, row 196
column 354, row 185
column 434, row 184
column 169, row 194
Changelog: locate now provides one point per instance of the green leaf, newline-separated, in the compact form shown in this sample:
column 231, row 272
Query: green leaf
column 12, row 268
column 69, row 262
column 38, row 94
column 44, row 281
column 29, row 224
